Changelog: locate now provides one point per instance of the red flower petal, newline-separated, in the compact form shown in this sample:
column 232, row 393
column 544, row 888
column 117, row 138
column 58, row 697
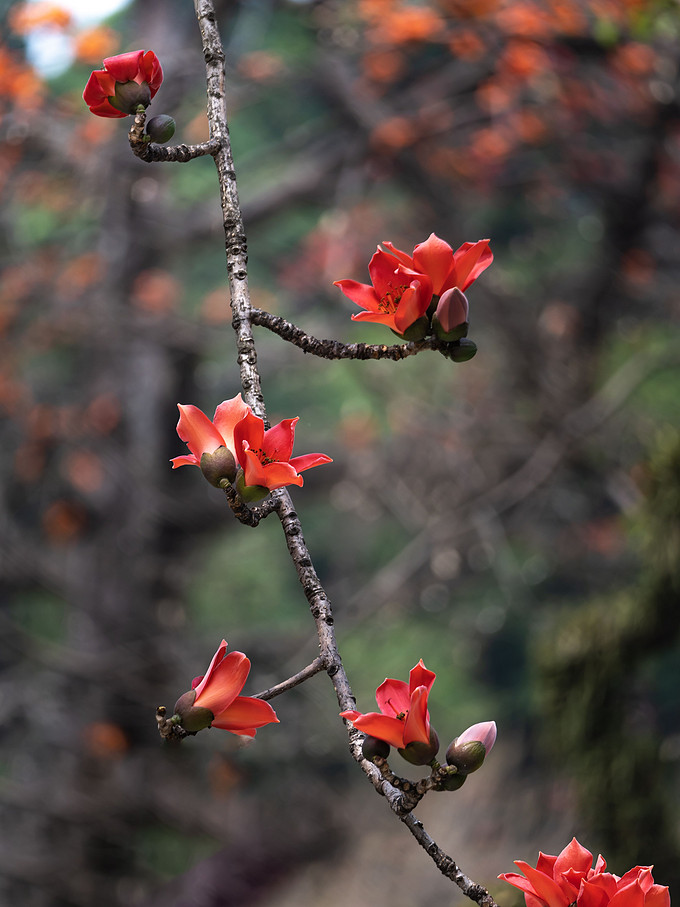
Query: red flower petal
column 629, row 896
column 419, row 676
column 412, row 306
column 227, row 415
column 197, row 431
column 592, row 895
column 545, row 863
column 435, row 258
column 393, row 697
column 544, row 887
column 417, row 728
column 223, row 682
column 361, row 293
column 468, row 263
column 244, row 715
column 388, row 729
column 401, row 257
column 306, row 461
column 278, row 441
column 125, row 67
column 251, row 430
column 573, row 856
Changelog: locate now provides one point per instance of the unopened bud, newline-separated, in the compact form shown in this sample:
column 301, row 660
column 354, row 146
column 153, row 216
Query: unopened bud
column 373, row 748
column 453, row 781
column 250, row 493
column 192, row 718
column 418, row 753
column 467, row 752
column 160, row 128
column 461, row 350
column 450, row 321
column 220, row 464
column 129, row 95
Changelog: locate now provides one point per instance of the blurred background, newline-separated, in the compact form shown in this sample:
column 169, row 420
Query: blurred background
column 513, row 520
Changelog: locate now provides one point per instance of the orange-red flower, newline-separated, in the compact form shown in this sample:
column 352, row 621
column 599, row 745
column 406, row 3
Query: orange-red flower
column 403, row 285
column 569, row 878
column 126, row 81
column 265, row 456
column 403, row 716
column 214, row 700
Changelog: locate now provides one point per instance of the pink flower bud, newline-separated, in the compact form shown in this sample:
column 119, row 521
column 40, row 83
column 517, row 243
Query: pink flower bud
column 453, row 309
column 468, row 751
column 483, row 732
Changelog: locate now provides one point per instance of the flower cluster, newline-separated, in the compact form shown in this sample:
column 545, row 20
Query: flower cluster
column 125, row 82
column 214, row 701
column 404, row 722
column 417, row 294
column 569, row 878
column 236, row 435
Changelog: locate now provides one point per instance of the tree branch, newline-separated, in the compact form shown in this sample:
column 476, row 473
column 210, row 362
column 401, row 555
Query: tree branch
column 242, row 319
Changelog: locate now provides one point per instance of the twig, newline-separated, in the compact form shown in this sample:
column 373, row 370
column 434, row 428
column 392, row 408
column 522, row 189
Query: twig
column 152, row 153
column 319, row 664
column 249, row 516
column 334, row 349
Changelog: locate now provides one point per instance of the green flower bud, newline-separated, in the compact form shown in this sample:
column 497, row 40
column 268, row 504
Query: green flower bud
column 160, row 128
column 453, row 782
column 192, row 718
column 373, row 748
column 467, row 757
column 129, row 95
column 418, row 753
column 250, row 493
column 461, row 351
column 220, row 464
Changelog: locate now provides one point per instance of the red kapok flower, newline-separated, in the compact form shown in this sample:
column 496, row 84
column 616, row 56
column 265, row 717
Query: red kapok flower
column 214, row 700
column 403, row 716
column 569, row 878
column 203, row 436
column 265, row 455
column 398, row 296
column 444, row 267
column 126, row 81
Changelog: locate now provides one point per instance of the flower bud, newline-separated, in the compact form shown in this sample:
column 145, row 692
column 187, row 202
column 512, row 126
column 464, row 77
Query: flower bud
column 418, row 753
column 192, row 718
column 453, row 781
column 449, row 322
column 461, row 350
column 467, row 752
column 373, row 748
column 220, row 464
column 129, row 95
column 160, row 128
column 250, row 493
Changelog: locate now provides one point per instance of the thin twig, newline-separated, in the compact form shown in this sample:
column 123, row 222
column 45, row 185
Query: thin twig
column 318, row 665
